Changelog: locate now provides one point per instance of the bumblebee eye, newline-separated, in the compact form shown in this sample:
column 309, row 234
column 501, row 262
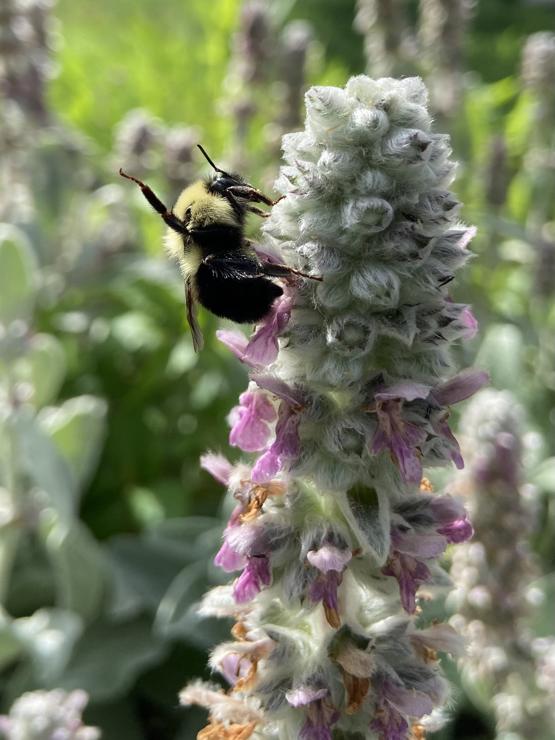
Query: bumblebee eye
column 187, row 216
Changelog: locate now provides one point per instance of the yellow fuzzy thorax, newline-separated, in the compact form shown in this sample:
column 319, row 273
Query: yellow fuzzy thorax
column 206, row 208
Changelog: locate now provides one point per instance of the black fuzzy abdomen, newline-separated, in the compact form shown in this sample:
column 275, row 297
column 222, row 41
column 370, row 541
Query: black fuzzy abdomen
column 245, row 300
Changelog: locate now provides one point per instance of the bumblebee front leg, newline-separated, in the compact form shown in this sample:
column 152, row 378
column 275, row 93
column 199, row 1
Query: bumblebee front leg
column 170, row 218
column 257, row 211
column 284, row 271
column 247, row 192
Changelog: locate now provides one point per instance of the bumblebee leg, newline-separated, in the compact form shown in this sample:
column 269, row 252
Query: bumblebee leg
column 190, row 303
column 257, row 211
column 170, row 218
column 285, row 271
column 247, row 192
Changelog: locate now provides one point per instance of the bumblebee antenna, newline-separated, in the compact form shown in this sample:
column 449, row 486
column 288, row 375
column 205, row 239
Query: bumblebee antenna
column 211, row 162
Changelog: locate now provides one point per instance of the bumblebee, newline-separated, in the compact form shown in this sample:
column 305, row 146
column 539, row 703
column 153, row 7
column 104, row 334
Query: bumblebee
column 206, row 236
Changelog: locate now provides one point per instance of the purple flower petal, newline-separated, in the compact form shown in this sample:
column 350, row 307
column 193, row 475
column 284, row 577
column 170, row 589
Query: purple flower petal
column 320, row 715
column 229, row 559
column 250, row 582
column 304, row 695
column 446, row 509
column 263, row 346
column 285, row 447
column 405, row 390
column 266, row 467
column 457, row 531
column 328, row 558
column 408, row 701
column 312, row 731
column 461, row 387
column 218, row 466
column 410, row 574
column 237, row 342
column 466, row 237
column 250, row 421
column 324, row 589
column 418, row 544
column 279, row 388
column 440, row 637
column 389, row 724
column 401, row 438
column 442, row 429
column 233, row 667
column 470, row 323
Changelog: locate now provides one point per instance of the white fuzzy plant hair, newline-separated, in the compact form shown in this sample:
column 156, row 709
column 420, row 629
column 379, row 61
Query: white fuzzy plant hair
column 336, row 534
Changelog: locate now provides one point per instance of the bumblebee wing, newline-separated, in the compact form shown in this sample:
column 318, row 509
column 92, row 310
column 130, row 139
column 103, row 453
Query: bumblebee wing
column 233, row 266
column 191, row 306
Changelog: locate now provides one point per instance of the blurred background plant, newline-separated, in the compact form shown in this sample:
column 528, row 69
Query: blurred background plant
column 107, row 523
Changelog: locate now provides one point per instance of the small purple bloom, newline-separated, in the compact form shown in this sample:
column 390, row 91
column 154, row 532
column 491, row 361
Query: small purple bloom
column 467, row 236
column 233, row 667
column 251, row 421
column 470, row 323
column 410, row 574
column 263, row 346
column 324, row 589
column 462, row 386
column 411, row 546
column 395, row 704
column 320, row 715
column 250, row 582
column 457, row 531
column 285, row 392
column 400, row 437
column 285, row 447
column 443, row 430
column 237, row 342
column 419, row 544
column 389, row 724
column 328, row 558
column 410, row 702
column 303, row 695
column 227, row 558
column 218, row 466
column 405, row 390
column 439, row 637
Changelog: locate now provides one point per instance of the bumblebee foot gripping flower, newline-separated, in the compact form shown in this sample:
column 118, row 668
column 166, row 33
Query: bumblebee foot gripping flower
column 335, row 535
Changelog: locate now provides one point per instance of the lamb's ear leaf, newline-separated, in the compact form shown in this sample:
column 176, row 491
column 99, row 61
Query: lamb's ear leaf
column 368, row 514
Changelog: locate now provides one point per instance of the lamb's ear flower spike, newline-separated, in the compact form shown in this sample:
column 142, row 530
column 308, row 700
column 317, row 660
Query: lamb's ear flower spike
column 48, row 715
column 493, row 575
column 334, row 529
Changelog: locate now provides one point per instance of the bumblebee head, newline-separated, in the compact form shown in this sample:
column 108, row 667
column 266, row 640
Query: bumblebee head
column 222, row 180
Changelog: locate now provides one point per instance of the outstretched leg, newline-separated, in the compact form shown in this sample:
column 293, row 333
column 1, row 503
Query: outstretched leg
column 257, row 211
column 284, row 271
column 170, row 218
column 247, row 192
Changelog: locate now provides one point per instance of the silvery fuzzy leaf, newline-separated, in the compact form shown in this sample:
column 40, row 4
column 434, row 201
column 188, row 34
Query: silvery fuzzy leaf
column 73, row 552
column 109, row 657
column 368, row 514
column 44, row 465
column 177, row 615
column 43, row 366
column 18, row 275
column 77, row 427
